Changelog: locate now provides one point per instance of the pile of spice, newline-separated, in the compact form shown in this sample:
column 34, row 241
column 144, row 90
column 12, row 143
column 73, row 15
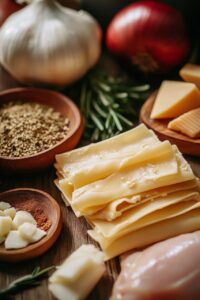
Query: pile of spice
column 28, row 128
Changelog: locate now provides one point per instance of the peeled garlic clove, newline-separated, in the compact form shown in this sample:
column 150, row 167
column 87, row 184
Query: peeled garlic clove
column 22, row 217
column 5, row 225
column 14, row 240
column 27, row 231
column 2, row 214
column 4, row 205
column 38, row 235
column 10, row 212
column 50, row 44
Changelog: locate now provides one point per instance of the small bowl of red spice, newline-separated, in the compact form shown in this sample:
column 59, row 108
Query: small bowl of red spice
column 35, row 125
column 45, row 210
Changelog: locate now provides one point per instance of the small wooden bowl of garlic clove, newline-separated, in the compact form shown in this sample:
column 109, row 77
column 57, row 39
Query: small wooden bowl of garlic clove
column 44, row 157
column 44, row 209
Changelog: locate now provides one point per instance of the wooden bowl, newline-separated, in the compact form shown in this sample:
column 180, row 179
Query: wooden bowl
column 38, row 203
column 45, row 158
column 185, row 144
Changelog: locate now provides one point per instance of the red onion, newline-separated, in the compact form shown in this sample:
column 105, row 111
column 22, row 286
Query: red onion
column 153, row 35
column 7, row 7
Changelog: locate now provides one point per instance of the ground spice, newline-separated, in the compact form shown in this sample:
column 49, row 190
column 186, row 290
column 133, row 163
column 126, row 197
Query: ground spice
column 38, row 213
column 28, row 128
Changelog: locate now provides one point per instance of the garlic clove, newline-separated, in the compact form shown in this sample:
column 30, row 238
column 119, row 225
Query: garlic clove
column 10, row 212
column 5, row 225
column 4, row 205
column 22, row 217
column 14, row 240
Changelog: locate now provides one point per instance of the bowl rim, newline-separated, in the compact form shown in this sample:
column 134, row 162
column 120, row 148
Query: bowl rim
column 73, row 107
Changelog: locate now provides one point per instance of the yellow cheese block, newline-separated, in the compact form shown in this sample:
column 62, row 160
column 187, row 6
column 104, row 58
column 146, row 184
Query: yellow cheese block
column 191, row 73
column 188, row 123
column 78, row 275
column 175, row 98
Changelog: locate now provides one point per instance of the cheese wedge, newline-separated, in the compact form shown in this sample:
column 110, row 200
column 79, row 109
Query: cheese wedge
column 187, row 222
column 78, row 275
column 175, row 98
column 191, row 73
column 188, row 123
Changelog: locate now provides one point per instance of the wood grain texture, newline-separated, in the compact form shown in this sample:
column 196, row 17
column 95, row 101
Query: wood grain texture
column 185, row 144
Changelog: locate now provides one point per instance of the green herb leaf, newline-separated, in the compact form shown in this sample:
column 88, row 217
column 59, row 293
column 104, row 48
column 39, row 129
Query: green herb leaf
column 109, row 105
column 27, row 281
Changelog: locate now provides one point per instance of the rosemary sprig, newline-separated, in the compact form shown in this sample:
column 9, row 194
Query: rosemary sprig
column 109, row 105
column 25, row 282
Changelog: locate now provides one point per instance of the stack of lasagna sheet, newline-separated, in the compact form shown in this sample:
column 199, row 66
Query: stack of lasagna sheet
column 133, row 190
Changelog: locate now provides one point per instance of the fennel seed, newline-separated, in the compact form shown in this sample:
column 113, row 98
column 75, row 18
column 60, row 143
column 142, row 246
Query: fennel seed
column 28, row 128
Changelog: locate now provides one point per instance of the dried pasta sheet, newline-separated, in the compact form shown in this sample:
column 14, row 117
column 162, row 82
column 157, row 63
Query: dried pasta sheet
column 168, row 169
column 187, row 222
column 116, row 208
column 146, row 214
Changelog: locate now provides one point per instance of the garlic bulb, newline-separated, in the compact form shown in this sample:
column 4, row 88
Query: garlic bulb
column 48, row 43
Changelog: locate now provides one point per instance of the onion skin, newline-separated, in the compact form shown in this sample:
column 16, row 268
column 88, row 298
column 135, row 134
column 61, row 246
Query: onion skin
column 153, row 35
column 8, row 7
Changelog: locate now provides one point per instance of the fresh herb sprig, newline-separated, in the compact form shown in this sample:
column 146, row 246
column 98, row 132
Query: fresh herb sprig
column 109, row 105
column 25, row 282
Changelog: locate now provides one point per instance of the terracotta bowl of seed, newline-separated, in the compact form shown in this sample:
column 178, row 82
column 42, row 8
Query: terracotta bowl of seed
column 35, row 125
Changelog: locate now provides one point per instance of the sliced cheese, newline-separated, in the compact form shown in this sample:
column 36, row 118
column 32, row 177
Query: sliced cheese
column 175, row 98
column 116, row 208
column 191, row 73
column 169, row 169
column 145, row 217
column 77, row 276
column 188, row 123
column 187, row 222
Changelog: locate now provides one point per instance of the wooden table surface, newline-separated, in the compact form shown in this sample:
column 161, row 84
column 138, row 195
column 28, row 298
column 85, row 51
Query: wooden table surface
column 73, row 233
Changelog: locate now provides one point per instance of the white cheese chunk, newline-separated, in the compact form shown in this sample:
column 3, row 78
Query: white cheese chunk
column 4, row 205
column 22, row 217
column 77, row 276
column 10, row 212
column 5, row 225
column 14, row 240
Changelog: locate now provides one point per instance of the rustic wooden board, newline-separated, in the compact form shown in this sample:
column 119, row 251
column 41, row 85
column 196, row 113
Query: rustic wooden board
column 185, row 144
column 74, row 232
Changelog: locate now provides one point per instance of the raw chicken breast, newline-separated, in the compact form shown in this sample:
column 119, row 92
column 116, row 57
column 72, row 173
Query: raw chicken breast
column 166, row 270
